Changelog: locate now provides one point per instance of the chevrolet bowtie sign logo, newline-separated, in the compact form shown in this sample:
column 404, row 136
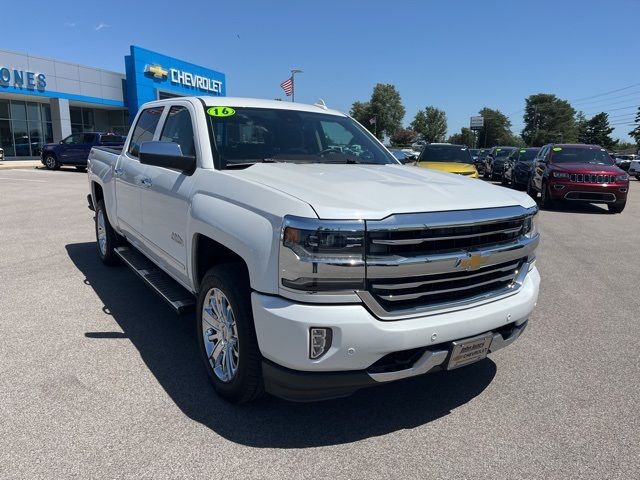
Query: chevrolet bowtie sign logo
column 471, row 262
column 156, row 70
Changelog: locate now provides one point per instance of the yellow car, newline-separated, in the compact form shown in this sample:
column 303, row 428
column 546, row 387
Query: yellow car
column 447, row 157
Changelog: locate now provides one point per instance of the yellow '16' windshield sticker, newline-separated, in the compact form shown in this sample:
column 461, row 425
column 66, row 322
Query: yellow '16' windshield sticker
column 221, row 111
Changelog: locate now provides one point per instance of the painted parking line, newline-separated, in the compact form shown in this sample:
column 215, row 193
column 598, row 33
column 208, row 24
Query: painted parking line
column 22, row 179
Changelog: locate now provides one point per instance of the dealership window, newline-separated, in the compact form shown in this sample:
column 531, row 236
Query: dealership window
column 85, row 120
column 24, row 127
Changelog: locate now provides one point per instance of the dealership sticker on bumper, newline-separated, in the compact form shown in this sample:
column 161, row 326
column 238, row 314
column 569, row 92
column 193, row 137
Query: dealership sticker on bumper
column 469, row 351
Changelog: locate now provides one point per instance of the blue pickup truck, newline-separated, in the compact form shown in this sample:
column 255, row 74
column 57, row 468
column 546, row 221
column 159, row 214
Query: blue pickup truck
column 74, row 149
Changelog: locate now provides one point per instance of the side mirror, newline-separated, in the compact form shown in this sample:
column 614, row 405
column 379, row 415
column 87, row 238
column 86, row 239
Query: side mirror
column 166, row 155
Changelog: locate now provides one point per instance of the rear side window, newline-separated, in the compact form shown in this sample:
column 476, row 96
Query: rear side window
column 88, row 137
column 178, row 129
column 145, row 128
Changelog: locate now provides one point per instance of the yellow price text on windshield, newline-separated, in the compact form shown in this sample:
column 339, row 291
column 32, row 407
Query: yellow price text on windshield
column 221, row 111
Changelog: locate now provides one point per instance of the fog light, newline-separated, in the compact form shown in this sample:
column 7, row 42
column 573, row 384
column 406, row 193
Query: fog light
column 558, row 187
column 319, row 342
column 623, row 190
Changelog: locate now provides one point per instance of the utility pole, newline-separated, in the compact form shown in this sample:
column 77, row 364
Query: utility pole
column 293, row 86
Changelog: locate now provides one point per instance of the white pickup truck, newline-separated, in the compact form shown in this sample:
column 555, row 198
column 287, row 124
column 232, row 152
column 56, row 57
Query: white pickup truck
column 316, row 263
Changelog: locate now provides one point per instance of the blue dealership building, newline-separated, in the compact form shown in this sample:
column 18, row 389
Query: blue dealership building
column 43, row 100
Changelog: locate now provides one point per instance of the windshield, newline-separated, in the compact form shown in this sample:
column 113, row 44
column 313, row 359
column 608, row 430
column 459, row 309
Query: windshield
column 598, row 156
column 528, row 155
column 503, row 152
column 250, row 135
column 445, row 153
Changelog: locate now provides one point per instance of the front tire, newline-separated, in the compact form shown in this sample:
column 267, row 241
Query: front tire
column 51, row 162
column 106, row 236
column 617, row 207
column 546, row 201
column 503, row 181
column 226, row 334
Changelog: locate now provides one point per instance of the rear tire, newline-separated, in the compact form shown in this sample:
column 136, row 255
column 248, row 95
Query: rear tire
column 81, row 169
column 228, row 332
column 617, row 207
column 531, row 191
column 106, row 237
column 503, row 181
column 51, row 162
column 638, row 177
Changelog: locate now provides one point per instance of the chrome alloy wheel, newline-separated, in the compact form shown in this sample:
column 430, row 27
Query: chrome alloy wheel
column 50, row 162
column 102, row 232
column 220, row 335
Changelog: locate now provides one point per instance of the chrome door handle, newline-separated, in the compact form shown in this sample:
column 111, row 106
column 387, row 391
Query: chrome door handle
column 146, row 182
column 118, row 171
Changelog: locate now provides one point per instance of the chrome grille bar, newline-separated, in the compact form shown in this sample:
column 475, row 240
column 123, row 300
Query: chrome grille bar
column 413, row 296
column 417, row 241
column 408, row 285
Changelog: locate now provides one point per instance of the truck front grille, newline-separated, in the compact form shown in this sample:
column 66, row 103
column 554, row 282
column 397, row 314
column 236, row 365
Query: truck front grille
column 422, row 262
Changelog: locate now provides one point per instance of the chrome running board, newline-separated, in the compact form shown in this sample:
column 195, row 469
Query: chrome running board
column 171, row 291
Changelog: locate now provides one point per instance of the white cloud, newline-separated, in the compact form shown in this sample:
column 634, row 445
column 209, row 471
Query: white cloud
column 70, row 24
column 100, row 26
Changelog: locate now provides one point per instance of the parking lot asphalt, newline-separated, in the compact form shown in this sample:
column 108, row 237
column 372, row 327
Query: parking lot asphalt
column 99, row 378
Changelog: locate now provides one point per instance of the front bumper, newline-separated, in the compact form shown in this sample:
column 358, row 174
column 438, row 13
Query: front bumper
column 299, row 386
column 360, row 340
column 589, row 192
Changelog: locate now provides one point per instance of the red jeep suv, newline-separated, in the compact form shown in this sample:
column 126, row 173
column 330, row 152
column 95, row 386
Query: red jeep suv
column 583, row 173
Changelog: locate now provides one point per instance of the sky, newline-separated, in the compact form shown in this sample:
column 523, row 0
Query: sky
column 459, row 55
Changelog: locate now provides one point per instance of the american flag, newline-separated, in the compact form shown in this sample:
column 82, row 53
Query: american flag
column 287, row 86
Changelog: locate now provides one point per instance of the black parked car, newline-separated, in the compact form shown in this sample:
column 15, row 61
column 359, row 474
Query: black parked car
column 518, row 166
column 494, row 162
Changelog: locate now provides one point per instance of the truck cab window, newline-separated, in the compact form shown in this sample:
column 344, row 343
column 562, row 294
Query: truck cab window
column 73, row 139
column 145, row 128
column 179, row 129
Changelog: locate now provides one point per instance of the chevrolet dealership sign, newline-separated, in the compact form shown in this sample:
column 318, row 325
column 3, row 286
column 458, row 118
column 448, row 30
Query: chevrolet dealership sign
column 188, row 79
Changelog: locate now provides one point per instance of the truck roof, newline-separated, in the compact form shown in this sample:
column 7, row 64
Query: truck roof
column 261, row 103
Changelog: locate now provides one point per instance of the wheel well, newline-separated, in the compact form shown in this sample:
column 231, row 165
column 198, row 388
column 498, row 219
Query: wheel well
column 210, row 253
column 97, row 192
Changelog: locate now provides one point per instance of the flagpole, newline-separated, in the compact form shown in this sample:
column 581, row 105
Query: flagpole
column 293, row 87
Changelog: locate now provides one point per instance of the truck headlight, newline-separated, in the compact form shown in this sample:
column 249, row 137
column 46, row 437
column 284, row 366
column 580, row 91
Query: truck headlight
column 319, row 256
column 622, row 178
column 530, row 227
column 560, row 175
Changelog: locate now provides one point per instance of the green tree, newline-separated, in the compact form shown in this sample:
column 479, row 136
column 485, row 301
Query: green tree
column 598, row 131
column 581, row 126
column 361, row 112
column 431, row 124
column 496, row 129
column 464, row 137
column 626, row 147
column 385, row 108
column 548, row 119
column 403, row 136
column 635, row 133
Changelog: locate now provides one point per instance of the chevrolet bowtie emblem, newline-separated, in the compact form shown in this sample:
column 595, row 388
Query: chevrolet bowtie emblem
column 471, row 262
column 156, row 70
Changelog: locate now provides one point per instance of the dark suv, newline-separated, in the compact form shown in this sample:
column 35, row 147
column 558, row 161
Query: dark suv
column 577, row 172
column 518, row 167
column 494, row 162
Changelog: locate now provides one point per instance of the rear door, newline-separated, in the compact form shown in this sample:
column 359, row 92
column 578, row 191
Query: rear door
column 165, row 202
column 129, row 173
column 540, row 166
column 88, row 140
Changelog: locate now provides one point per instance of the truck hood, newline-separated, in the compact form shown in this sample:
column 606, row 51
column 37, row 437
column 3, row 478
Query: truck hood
column 377, row 191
